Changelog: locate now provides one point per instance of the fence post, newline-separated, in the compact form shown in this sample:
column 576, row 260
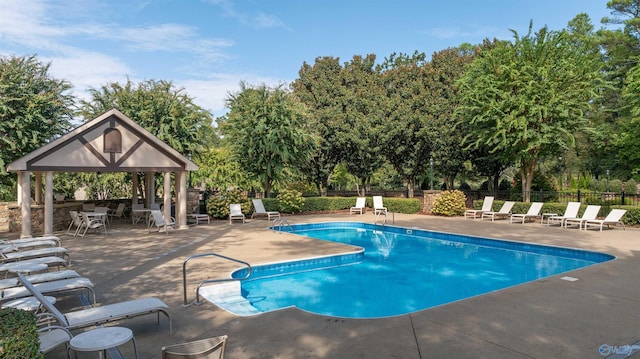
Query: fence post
column 579, row 196
column 622, row 198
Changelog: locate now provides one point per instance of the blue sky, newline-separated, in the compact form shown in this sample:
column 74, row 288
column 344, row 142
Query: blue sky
column 208, row 47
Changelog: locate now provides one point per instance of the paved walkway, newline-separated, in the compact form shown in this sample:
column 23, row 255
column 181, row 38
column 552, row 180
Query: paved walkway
column 549, row 318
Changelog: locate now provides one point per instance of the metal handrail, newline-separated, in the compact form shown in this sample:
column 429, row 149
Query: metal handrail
column 184, row 275
column 281, row 223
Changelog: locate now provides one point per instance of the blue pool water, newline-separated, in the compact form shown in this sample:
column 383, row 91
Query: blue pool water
column 402, row 270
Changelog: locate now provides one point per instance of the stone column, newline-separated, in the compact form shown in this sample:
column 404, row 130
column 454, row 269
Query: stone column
column 167, row 195
column 428, row 199
column 25, row 207
column 134, row 188
column 181, row 199
column 48, row 204
column 38, row 187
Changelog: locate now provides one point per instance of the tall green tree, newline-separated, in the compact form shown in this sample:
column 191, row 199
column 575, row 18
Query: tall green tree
column 35, row 108
column 363, row 104
column 319, row 88
column 447, row 66
column 267, row 132
column 525, row 99
column 408, row 141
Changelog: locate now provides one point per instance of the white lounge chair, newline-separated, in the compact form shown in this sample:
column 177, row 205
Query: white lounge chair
column 31, row 239
column 102, row 314
column 504, row 212
column 533, row 212
column 15, row 247
column 570, row 212
column 49, row 261
column 476, row 213
column 210, row 348
column 91, row 223
column 359, row 207
column 235, row 213
column 612, row 219
column 158, row 221
column 52, row 336
column 36, row 253
column 258, row 209
column 591, row 212
column 39, row 278
column 378, row 206
column 63, row 286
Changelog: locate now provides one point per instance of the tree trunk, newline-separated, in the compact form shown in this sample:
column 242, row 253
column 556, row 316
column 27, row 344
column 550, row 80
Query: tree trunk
column 323, row 190
column 267, row 189
column 526, row 172
column 496, row 183
column 411, row 184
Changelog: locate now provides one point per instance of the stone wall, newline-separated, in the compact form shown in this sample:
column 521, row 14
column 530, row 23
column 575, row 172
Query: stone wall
column 11, row 216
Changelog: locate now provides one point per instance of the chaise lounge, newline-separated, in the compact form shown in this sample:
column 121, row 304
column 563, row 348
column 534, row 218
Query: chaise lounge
column 103, row 314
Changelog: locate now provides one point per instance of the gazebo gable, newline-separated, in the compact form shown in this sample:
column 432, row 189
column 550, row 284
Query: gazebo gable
column 110, row 143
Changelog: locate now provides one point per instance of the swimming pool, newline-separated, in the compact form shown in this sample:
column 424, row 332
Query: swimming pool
column 399, row 271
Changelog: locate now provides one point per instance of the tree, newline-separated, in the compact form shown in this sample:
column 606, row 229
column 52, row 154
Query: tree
column 35, row 108
column 526, row 99
column 360, row 134
column 408, row 144
column 267, row 134
column 319, row 88
column 447, row 66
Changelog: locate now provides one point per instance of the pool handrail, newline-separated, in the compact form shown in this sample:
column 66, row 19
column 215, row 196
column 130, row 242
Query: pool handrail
column 184, row 275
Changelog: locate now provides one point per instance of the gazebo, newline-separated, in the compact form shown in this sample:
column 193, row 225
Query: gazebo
column 111, row 142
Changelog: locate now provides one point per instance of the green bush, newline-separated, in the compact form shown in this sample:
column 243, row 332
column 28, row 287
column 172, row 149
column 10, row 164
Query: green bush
column 631, row 187
column 632, row 217
column 290, row 201
column 399, row 205
column 318, row 204
column 18, row 334
column 450, row 203
column 218, row 205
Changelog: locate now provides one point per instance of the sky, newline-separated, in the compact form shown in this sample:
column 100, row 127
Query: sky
column 208, row 47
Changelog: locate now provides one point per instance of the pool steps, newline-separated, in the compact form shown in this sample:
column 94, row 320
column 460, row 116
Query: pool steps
column 228, row 296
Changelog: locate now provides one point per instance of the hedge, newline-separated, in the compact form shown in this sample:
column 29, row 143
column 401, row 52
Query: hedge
column 18, row 334
column 320, row 204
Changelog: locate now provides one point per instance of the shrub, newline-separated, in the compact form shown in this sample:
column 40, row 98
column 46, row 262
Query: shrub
column 450, row 203
column 632, row 217
column 615, row 185
column 631, row 187
column 290, row 201
column 218, row 205
column 18, row 335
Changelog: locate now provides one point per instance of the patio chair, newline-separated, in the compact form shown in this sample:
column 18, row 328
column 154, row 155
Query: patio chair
column 533, row 213
column 49, row 261
column 91, row 223
column 158, row 221
column 258, row 209
column 138, row 213
column 53, row 336
column 612, row 219
column 359, row 207
column 102, row 314
column 76, row 221
column 503, row 212
column 475, row 213
column 570, row 212
column 63, row 286
column 19, row 246
column 36, row 253
column 590, row 213
column 378, row 206
column 210, row 348
column 235, row 213
column 31, row 239
column 39, row 278
column 118, row 213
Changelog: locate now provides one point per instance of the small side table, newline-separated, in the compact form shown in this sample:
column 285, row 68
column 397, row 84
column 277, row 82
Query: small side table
column 28, row 303
column 101, row 339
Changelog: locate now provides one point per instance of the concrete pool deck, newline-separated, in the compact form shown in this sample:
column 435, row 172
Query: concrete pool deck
column 548, row 318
